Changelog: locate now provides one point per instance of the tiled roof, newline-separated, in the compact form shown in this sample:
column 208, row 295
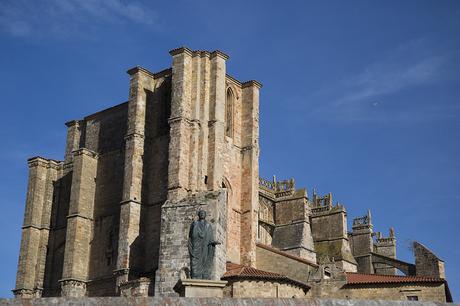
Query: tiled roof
column 244, row 272
column 361, row 278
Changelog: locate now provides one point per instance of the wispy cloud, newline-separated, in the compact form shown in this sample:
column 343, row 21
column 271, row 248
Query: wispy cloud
column 62, row 17
column 370, row 94
column 388, row 77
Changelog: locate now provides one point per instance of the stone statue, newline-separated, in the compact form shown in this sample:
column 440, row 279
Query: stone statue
column 201, row 247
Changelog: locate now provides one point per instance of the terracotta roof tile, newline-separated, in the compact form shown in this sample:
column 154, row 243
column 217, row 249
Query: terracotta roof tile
column 240, row 271
column 361, row 278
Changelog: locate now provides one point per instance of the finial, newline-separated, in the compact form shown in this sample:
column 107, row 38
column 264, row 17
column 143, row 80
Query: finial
column 369, row 220
column 392, row 232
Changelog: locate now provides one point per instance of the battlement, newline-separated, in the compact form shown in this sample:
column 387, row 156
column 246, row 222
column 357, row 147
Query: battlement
column 276, row 188
column 381, row 240
column 321, row 205
column 364, row 222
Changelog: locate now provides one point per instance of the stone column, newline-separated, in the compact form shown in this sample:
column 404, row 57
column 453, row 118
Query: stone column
column 180, row 124
column 250, row 171
column 130, row 208
column 79, row 224
column 35, row 229
column 216, row 119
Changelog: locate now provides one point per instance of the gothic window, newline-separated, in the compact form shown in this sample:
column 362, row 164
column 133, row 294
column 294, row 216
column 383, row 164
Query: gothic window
column 229, row 113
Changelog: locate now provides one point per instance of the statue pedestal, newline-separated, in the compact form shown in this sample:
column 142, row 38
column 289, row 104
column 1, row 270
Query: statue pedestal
column 200, row 288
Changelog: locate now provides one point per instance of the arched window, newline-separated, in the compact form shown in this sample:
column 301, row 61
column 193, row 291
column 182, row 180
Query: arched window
column 229, row 113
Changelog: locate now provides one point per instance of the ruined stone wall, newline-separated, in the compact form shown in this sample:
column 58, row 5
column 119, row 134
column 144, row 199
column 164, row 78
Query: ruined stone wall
column 427, row 263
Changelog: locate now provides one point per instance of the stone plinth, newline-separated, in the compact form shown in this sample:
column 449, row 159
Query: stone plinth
column 200, row 288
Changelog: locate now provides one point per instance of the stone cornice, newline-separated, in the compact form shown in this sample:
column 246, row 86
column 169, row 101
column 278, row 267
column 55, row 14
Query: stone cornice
column 163, row 73
column 85, row 151
column 180, row 50
column 251, row 83
column 218, row 53
column 38, row 161
column 138, row 69
column 72, row 123
column 233, row 80
column 73, row 281
column 38, row 227
column 201, row 53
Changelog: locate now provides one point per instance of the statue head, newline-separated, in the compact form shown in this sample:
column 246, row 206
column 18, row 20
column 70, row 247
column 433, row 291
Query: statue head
column 201, row 214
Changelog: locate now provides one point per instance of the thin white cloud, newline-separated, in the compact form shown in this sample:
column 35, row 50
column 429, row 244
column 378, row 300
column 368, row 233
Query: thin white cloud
column 62, row 17
column 388, row 77
column 367, row 95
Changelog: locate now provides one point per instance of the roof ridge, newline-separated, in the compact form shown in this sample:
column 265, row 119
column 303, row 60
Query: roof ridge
column 395, row 276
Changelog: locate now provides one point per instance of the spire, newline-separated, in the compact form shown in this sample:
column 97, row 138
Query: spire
column 369, row 217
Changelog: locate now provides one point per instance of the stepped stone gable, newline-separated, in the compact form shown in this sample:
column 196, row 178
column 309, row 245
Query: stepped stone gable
column 112, row 218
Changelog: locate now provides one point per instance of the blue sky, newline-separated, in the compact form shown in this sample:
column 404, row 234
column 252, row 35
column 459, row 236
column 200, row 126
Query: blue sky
column 360, row 98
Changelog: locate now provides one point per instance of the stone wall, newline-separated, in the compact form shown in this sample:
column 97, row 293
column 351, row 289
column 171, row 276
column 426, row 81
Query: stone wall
column 427, row 263
column 434, row 292
column 263, row 289
column 176, row 301
column 176, row 218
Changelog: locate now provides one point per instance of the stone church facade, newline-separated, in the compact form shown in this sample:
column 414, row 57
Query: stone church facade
column 112, row 217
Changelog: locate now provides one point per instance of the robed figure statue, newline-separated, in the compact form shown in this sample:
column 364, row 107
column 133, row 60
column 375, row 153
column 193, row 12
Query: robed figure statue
column 201, row 247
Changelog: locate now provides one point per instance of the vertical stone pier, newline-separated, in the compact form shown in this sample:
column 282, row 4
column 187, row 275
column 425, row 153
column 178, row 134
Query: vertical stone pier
column 79, row 224
column 180, row 124
column 35, row 230
column 250, row 175
column 216, row 119
column 130, row 210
